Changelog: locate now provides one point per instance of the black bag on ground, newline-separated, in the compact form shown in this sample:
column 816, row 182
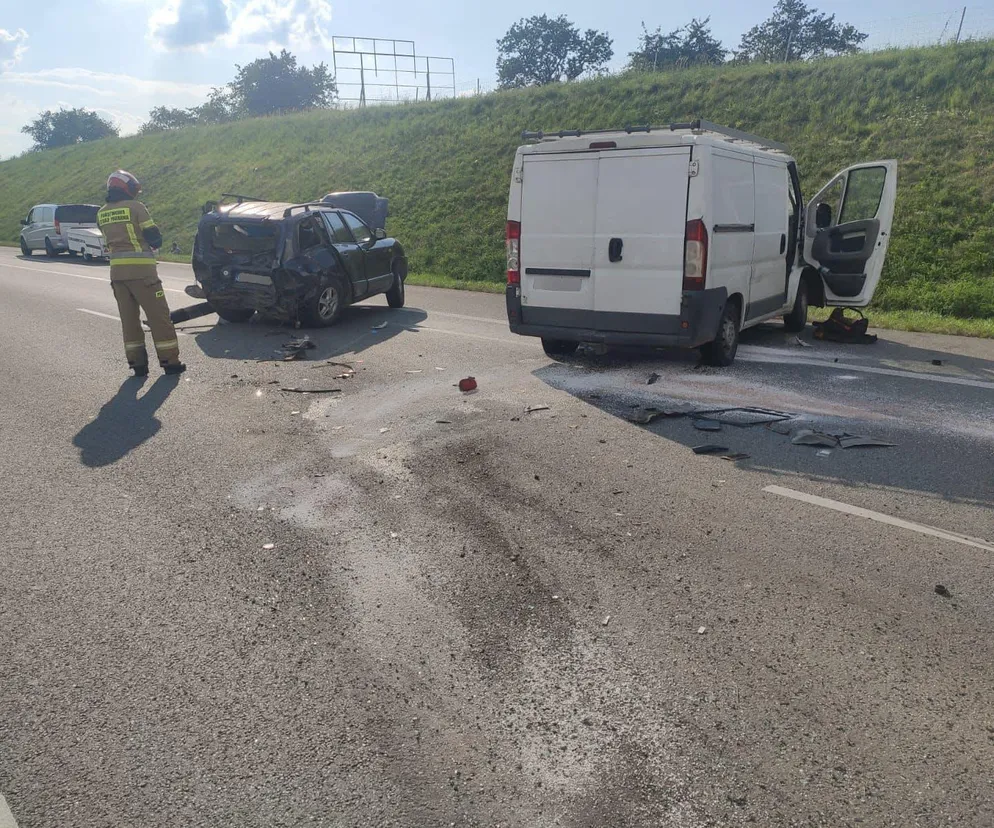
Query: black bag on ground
column 840, row 328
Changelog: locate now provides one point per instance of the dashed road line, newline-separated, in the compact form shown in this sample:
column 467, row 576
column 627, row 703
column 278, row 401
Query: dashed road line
column 6, row 817
column 879, row 517
column 98, row 313
column 75, row 275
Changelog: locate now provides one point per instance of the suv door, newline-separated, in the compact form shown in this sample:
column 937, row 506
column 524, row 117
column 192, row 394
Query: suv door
column 349, row 252
column 378, row 254
column 847, row 230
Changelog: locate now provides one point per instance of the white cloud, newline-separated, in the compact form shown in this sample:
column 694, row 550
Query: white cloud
column 12, row 47
column 107, row 84
column 181, row 24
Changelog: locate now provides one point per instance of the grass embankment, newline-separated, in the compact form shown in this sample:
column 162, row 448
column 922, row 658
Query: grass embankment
column 445, row 165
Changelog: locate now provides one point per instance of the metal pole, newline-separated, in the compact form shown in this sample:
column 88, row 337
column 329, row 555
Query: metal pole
column 428, row 76
column 959, row 31
column 362, row 82
column 786, row 54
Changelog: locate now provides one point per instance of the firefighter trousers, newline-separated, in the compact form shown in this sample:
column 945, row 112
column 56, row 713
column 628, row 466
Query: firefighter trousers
column 145, row 293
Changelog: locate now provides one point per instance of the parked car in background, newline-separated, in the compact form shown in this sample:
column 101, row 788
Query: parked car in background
column 87, row 242
column 47, row 227
column 300, row 262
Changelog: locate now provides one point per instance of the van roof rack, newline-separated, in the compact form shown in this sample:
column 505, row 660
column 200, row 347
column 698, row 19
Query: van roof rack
column 699, row 126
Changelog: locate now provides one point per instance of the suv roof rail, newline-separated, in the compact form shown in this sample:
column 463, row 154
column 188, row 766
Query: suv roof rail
column 242, row 198
column 306, row 206
column 698, row 126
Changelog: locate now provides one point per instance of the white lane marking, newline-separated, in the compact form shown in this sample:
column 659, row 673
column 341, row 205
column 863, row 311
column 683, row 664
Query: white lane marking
column 179, row 331
column 6, row 817
column 507, row 341
column 98, row 313
column 432, row 313
column 779, row 358
column 76, row 275
column 859, row 511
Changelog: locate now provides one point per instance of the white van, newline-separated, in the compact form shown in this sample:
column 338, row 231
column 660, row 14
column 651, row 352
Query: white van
column 682, row 236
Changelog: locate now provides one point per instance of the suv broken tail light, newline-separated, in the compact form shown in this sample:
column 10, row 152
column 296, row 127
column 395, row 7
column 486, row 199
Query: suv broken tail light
column 695, row 257
column 514, row 252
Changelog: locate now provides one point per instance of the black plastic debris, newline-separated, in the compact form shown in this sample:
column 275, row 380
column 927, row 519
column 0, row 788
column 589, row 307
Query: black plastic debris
column 836, row 439
column 841, row 328
column 807, row 437
column 710, row 449
column 937, row 362
column 942, row 591
column 855, row 441
column 295, row 348
column 312, row 390
column 191, row 312
column 653, row 378
column 736, row 456
column 707, row 425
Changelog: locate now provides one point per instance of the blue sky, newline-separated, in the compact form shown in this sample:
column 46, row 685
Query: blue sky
column 121, row 57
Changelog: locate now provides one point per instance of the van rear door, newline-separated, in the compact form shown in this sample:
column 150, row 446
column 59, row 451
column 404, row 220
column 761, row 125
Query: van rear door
column 558, row 208
column 639, row 241
column 847, row 230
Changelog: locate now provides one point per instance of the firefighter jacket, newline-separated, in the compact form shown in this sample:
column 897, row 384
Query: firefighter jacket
column 131, row 234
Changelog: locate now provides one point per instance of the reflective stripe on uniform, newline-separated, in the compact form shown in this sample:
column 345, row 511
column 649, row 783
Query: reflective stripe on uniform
column 116, row 215
column 129, row 255
column 163, row 346
column 134, row 238
column 133, row 346
column 146, row 224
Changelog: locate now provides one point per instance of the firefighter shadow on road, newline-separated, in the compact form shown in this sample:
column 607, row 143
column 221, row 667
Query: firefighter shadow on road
column 260, row 340
column 124, row 423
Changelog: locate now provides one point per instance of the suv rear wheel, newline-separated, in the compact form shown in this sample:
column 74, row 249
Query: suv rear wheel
column 25, row 250
column 328, row 305
column 721, row 352
column 395, row 296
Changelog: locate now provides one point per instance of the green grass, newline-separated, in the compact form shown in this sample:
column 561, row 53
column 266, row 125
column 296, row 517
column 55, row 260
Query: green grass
column 446, row 165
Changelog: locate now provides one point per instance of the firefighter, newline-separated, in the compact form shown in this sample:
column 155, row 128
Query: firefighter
column 131, row 237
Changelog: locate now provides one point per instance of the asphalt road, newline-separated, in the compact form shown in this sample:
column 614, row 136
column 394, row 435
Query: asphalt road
column 227, row 604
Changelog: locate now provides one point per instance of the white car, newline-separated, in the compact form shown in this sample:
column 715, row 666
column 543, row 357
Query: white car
column 87, row 242
column 682, row 236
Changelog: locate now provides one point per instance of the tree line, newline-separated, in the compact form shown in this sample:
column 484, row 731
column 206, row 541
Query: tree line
column 535, row 51
column 542, row 49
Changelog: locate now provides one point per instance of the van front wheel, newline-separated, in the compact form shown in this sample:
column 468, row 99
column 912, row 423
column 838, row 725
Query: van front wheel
column 721, row 352
column 559, row 348
column 795, row 321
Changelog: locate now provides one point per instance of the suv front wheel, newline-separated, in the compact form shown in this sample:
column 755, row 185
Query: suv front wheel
column 327, row 305
column 25, row 250
column 395, row 296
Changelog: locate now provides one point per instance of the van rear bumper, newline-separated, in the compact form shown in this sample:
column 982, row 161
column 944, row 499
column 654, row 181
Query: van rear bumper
column 695, row 325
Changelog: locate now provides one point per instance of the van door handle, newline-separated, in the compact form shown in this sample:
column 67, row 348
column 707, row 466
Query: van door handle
column 614, row 250
column 783, row 243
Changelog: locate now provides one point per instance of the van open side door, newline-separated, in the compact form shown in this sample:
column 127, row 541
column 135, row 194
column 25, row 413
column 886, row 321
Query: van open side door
column 847, row 230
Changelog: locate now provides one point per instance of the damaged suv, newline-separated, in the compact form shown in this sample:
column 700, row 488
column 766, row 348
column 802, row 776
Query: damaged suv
column 298, row 262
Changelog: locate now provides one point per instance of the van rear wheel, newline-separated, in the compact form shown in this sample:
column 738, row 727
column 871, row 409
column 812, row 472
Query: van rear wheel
column 559, row 348
column 50, row 250
column 721, row 352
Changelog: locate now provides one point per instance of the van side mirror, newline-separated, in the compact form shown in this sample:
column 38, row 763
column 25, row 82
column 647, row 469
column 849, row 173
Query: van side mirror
column 380, row 233
column 24, row 222
column 823, row 216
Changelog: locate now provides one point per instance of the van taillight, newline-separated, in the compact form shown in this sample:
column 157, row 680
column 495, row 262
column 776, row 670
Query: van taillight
column 514, row 252
column 58, row 229
column 695, row 257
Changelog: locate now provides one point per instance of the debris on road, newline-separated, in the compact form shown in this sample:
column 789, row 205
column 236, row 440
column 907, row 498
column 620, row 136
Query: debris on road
column 710, row 449
column 707, row 425
column 311, row 390
column 701, row 630
column 653, row 378
column 295, row 348
column 937, row 362
column 801, row 342
column 942, row 591
column 444, row 422
column 533, row 408
column 840, row 328
column 606, row 621
column 269, row 546
column 824, row 453
column 384, row 430
column 191, row 312
column 836, row 439
column 467, row 384
column 413, row 372
column 807, row 437
column 380, row 327
column 855, row 441
column 735, row 457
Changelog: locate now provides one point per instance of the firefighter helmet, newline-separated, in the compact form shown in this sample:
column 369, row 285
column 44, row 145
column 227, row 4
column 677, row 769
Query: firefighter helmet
column 123, row 180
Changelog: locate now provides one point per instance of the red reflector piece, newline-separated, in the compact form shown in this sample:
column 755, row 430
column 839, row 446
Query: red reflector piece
column 467, row 384
column 604, row 145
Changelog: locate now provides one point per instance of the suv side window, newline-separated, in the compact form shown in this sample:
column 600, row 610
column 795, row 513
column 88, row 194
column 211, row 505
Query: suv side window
column 311, row 233
column 339, row 232
column 363, row 235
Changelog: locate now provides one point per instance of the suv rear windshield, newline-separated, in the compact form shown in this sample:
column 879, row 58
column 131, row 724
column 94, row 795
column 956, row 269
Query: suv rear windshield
column 247, row 237
column 77, row 213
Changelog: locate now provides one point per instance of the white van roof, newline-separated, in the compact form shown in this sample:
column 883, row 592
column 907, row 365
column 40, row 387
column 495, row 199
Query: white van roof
column 680, row 134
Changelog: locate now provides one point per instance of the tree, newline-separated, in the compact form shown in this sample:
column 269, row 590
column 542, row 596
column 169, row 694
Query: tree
column 275, row 84
column 67, row 127
column 692, row 45
column 162, row 118
column 542, row 50
column 796, row 32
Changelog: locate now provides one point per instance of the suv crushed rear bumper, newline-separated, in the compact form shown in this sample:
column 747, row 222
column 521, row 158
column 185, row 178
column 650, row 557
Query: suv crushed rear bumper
column 697, row 323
